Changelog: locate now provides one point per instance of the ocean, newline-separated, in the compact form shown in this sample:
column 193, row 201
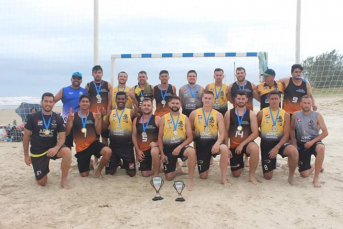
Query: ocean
column 7, row 102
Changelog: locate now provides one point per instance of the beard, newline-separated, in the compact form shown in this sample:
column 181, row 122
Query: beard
column 175, row 109
column 147, row 113
column 240, row 105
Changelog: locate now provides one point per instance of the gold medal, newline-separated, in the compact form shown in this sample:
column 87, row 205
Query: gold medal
column 239, row 128
column 98, row 96
column 142, row 98
column 83, row 130
column 163, row 102
column 192, row 100
column 47, row 132
column 175, row 132
column 144, row 135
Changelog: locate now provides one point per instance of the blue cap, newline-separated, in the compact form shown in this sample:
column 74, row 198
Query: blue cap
column 79, row 74
column 269, row 72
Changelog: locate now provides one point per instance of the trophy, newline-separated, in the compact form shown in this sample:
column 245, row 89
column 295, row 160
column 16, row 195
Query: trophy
column 179, row 186
column 157, row 183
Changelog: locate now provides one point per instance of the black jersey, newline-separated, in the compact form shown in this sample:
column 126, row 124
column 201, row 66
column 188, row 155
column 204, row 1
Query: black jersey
column 98, row 102
column 151, row 131
column 292, row 96
column 237, row 137
column 160, row 109
column 249, row 91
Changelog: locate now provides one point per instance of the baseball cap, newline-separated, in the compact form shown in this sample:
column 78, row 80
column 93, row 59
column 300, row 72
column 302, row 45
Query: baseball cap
column 78, row 74
column 269, row 72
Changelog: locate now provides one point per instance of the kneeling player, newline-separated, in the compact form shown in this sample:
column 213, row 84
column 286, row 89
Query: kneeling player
column 274, row 125
column 144, row 138
column 205, row 124
column 174, row 135
column 307, row 124
column 86, row 127
column 242, row 129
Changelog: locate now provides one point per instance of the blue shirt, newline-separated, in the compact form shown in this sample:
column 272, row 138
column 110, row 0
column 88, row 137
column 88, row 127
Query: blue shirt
column 70, row 99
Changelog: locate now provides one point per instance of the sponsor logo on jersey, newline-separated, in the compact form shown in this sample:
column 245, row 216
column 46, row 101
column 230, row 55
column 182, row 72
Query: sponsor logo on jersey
column 40, row 123
column 131, row 165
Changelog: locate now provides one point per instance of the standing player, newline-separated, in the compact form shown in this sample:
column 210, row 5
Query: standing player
column 220, row 90
column 119, row 123
column 144, row 138
column 205, row 123
column 242, row 84
column 274, row 125
column 190, row 94
column 46, row 133
column 175, row 133
column 267, row 86
column 87, row 127
column 295, row 88
column 161, row 92
column 100, row 95
column 122, row 79
column 70, row 98
column 242, row 128
column 143, row 89
column 307, row 124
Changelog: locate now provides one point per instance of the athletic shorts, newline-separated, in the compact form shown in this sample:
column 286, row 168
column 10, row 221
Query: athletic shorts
column 170, row 166
column 105, row 134
column 237, row 160
column 69, row 142
column 269, row 164
column 126, row 154
column 84, row 157
column 146, row 164
column 204, row 155
column 40, row 164
column 305, row 156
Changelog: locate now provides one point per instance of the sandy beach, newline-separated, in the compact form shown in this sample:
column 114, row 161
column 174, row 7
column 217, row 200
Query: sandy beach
column 121, row 201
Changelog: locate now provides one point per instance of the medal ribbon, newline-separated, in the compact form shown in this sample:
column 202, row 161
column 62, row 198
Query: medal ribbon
column 84, row 121
column 240, row 120
column 141, row 95
column 217, row 94
column 98, row 88
column 192, row 92
column 121, row 115
column 242, row 88
column 277, row 115
column 46, row 125
column 177, row 121
column 208, row 117
column 145, row 126
column 123, row 89
column 165, row 93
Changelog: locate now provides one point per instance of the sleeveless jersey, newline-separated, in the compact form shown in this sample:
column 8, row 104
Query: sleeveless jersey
column 160, row 110
column 103, row 101
column 83, row 141
column 268, row 136
column 139, row 94
column 190, row 104
column 70, row 99
column 128, row 102
column 247, row 89
column 151, row 131
column 202, row 137
column 120, row 135
column 169, row 139
column 306, row 126
column 292, row 96
column 221, row 106
column 237, row 137
column 263, row 90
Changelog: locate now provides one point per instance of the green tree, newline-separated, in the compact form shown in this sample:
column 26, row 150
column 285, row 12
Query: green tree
column 324, row 70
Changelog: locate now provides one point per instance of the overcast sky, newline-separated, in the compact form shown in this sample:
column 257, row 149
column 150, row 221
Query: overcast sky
column 43, row 42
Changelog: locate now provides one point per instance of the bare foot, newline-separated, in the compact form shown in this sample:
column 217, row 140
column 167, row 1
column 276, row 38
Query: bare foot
column 211, row 162
column 99, row 175
column 91, row 165
column 190, row 186
column 225, row 182
column 316, row 183
column 254, row 180
column 65, row 185
column 246, row 162
column 180, row 172
column 291, row 180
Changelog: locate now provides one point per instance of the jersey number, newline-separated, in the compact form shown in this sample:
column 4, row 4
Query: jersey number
column 240, row 133
column 295, row 99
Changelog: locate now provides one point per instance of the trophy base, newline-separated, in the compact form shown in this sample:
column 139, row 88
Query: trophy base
column 157, row 198
column 180, row 199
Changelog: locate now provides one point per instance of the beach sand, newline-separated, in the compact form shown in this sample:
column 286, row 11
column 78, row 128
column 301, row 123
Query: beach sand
column 120, row 201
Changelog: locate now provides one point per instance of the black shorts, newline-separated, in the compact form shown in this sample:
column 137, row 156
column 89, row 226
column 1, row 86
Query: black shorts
column 237, row 160
column 145, row 165
column 69, row 142
column 84, row 157
column 105, row 134
column 305, row 156
column 41, row 164
column 126, row 154
column 269, row 164
column 204, row 155
column 170, row 166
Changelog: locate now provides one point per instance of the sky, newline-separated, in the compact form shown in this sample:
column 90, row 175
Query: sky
column 44, row 42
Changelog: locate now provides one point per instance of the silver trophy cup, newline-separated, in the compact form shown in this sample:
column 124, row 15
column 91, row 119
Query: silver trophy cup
column 157, row 183
column 179, row 186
